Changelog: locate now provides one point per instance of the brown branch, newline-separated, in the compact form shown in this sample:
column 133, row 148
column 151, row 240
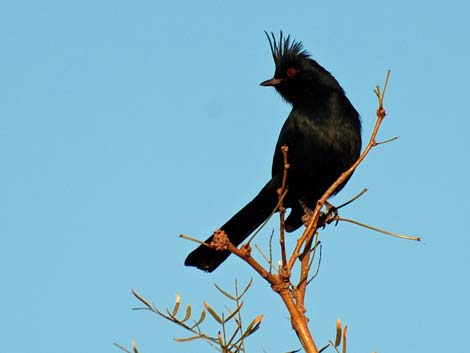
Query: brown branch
column 279, row 283
column 306, row 238
column 304, row 271
column 271, row 250
column 244, row 253
column 299, row 322
column 294, row 297
column 312, row 226
column 282, row 210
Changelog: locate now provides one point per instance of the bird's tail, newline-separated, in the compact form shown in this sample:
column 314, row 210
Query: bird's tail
column 237, row 228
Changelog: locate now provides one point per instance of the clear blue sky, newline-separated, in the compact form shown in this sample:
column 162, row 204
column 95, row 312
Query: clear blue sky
column 124, row 124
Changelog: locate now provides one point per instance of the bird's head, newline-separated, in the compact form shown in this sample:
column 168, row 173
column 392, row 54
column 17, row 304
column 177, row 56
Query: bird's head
column 297, row 77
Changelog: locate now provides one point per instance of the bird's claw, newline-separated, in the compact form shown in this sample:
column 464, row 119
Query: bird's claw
column 331, row 214
column 308, row 212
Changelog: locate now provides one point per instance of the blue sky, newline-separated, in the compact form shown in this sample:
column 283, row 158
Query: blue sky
column 125, row 124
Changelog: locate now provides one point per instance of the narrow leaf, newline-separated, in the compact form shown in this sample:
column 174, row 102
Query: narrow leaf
column 188, row 313
column 177, row 305
column 134, row 346
column 338, row 333
column 213, row 313
column 143, row 300
column 233, row 313
column 253, row 329
column 121, row 347
column 221, row 340
column 345, row 332
column 201, row 319
column 246, row 288
column 187, row 339
column 230, row 341
column 253, row 326
column 228, row 295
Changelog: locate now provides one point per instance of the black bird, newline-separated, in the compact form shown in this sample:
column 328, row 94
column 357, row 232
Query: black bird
column 323, row 133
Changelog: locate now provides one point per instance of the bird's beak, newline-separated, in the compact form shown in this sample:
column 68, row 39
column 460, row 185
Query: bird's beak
column 271, row 82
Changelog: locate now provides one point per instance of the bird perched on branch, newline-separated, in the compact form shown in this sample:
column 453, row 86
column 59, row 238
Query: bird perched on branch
column 323, row 135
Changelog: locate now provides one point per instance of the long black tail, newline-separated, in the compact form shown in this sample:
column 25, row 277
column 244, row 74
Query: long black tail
column 237, row 228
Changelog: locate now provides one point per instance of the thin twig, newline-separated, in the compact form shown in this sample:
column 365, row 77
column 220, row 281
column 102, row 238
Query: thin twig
column 271, row 266
column 306, row 239
column 239, row 314
column 187, row 237
column 333, row 345
column 268, row 219
column 271, row 250
column 122, row 347
column 397, row 235
column 282, row 209
column 353, row 199
column 245, row 255
column 317, row 271
column 313, row 251
column 387, row 141
column 304, row 270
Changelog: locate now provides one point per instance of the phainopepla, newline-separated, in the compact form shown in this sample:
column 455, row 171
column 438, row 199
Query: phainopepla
column 323, row 134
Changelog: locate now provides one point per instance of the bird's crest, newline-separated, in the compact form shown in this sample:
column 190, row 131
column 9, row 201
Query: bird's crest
column 284, row 49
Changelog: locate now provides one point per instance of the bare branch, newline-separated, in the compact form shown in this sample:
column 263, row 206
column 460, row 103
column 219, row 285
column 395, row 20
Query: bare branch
column 397, row 235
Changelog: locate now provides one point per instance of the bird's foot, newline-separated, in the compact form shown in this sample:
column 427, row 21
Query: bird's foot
column 308, row 212
column 331, row 214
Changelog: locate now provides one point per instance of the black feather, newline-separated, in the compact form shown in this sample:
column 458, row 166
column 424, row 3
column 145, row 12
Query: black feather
column 323, row 133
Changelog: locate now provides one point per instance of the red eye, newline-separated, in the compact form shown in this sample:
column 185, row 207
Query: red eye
column 291, row 72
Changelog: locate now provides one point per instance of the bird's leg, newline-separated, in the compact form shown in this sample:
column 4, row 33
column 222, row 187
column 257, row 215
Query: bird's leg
column 330, row 214
column 308, row 212
column 331, row 209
